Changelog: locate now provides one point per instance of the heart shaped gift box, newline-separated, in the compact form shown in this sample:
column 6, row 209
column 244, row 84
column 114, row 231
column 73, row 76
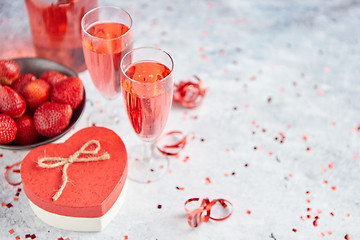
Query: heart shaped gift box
column 77, row 185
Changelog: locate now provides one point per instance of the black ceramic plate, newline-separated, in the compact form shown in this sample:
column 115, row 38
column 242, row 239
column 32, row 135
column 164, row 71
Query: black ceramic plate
column 38, row 66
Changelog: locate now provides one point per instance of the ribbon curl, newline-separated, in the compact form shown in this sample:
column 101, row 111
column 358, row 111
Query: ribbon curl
column 190, row 94
column 197, row 215
column 60, row 161
column 8, row 168
column 172, row 149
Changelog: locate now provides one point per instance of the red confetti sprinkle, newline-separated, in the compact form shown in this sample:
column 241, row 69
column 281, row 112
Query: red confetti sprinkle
column 332, row 214
column 294, row 230
column 180, row 188
column 331, row 165
column 248, row 212
column 226, row 174
column 322, row 234
column 304, row 137
column 17, row 237
column 60, row 238
column 347, row 214
column 315, row 223
column 347, row 237
column 126, row 237
column 333, row 188
column 186, row 159
column 208, row 181
column 3, row 204
column 190, row 94
column 174, row 148
column 203, row 213
column 329, row 232
column 16, row 199
column 11, row 231
column 308, row 149
column 9, row 205
column 32, row 236
column 159, row 206
column 228, row 149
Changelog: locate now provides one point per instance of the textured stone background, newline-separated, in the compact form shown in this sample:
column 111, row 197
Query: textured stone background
column 273, row 69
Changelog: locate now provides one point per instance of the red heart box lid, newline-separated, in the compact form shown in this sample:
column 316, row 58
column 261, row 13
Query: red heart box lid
column 92, row 187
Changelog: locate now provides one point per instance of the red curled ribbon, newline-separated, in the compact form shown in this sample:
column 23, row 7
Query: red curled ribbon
column 172, row 149
column 190, row 94
column 8, row 168
column 202, row 213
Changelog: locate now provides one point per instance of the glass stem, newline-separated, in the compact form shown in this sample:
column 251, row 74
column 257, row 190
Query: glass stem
column 147, row 151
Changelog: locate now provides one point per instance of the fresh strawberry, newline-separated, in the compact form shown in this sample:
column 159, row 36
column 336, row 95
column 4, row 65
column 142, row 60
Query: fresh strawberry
column 11, row 102
column 52, row 118
column 9, row 71
column 26, row 132
column 36, row 92
column 8, row 129
column 69, row 91
column 53, row 77
column 19, row 83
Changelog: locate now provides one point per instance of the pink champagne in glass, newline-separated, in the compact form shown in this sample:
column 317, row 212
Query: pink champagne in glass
column 104, row 46
column 106, row 37
column 147, row 88
column 148, row 108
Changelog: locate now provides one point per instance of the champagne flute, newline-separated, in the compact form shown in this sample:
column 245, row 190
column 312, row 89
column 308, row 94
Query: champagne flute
column 147, row 88
column 106, row 37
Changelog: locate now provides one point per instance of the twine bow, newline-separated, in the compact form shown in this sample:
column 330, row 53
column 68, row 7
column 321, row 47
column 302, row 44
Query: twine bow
column 59, row 161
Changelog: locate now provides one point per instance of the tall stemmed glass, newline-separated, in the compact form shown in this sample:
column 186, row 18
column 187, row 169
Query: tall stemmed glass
column 147, row 88
column 107, row 37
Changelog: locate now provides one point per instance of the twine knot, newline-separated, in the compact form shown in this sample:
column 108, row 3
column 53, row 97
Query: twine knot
column 53, row 162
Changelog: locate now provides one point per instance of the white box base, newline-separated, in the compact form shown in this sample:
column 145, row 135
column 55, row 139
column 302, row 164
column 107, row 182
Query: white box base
column 80, row 223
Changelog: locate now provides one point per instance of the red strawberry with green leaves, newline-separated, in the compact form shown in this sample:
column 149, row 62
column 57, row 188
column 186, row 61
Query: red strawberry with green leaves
column 11, row 102
column 8, row 129
column 53, row 77
column 26, row 132
column 69, row 91
column 19, row 83
column 52, row 118
column 9, row 71
column 36, row 92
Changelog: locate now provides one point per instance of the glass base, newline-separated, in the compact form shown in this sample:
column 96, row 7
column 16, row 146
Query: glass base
column 100, row 116
column 146, row 171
